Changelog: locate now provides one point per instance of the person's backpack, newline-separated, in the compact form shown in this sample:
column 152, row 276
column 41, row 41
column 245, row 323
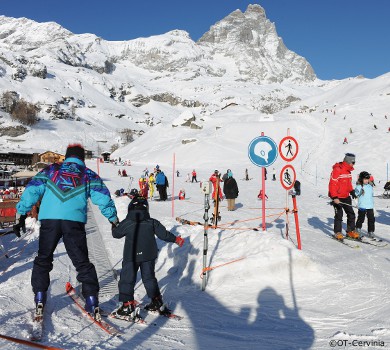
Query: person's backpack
column 387, row 186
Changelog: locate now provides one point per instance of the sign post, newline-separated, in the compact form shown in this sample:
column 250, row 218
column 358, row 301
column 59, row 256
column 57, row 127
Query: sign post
column 288, row 150
column 262, row 152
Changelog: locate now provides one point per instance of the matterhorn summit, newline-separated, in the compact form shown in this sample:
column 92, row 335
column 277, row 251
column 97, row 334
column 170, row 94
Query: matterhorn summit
column 251, row 40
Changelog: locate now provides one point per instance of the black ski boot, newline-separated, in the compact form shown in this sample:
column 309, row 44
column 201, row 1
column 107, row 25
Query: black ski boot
column 127, row 311
column 157, row 305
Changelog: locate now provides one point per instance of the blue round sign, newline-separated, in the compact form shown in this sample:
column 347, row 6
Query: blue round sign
column 263, row 151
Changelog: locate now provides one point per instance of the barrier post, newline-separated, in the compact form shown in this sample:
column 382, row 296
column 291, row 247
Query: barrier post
column 205, row 237
column 295, row 208
column 173, row 185
column 263, row 198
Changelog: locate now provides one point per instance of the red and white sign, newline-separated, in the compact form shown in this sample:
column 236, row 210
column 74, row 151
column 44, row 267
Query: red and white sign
column 288, row 148
column 288, row 177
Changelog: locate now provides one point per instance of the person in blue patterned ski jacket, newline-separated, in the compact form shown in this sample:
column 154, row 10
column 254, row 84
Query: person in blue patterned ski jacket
column 64, row 189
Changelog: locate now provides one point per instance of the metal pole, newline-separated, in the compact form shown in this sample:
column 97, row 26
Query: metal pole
column 173, row 185
column 263, row 198
column 205, row 239
column 295, row 208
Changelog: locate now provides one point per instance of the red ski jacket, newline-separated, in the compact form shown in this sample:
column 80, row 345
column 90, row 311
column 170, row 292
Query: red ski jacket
column 213, row 179
column 340, row 183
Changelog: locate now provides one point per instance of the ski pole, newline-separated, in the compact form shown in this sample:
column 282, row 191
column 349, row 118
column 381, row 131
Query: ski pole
column 341, row 203
column 332, row 203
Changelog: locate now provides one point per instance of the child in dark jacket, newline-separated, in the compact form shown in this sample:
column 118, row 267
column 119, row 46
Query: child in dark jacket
column 140, row 252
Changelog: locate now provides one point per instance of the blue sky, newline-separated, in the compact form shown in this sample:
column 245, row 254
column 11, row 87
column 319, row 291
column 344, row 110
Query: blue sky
column 340, row 38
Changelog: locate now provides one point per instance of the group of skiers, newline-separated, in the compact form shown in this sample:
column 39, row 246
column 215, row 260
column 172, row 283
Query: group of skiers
column 341, row 191
column 157, row 178
column 63, row 189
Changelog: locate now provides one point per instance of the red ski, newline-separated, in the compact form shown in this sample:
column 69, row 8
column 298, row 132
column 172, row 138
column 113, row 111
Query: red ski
column 165, row 313
column 78, row 301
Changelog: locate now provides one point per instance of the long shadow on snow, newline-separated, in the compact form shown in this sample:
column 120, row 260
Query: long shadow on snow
column 317, row 223
column 383, row 217
column 215, row 326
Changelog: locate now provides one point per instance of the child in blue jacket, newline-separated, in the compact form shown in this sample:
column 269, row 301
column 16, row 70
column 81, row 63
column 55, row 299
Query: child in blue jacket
column 365, row 193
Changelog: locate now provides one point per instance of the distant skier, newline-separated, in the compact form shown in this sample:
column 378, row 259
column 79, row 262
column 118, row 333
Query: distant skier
column 273, row 174
column 188, row 179
column 230, row 189
column 194, row 176
column 260, row 195
column 365, row 193
column 246, row 175
column 151, row 185
column 341, row 191
column 162, row 184
column 140, row 253
column 143, row 186
column 177, row 173
column 182, row 194
column 345, row 141
column 213, row 178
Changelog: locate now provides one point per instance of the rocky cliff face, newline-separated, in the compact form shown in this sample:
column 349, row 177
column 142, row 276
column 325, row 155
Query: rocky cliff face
column 253, row 43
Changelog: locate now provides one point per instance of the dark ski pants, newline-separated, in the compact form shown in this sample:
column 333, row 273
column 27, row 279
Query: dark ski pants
column 345, row 204
column 162, row 191
column 370, row 219
column 75, row 240
column 129, row 276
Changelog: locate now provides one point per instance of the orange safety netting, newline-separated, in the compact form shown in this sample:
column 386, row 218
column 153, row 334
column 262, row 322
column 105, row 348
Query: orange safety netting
column 214, row 267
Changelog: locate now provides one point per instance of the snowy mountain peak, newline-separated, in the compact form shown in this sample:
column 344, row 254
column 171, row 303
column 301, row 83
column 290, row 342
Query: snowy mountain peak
column 251, row 39
column 255, row 10
column 26, row 33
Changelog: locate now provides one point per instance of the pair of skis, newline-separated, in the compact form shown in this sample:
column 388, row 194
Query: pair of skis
column 216, row 215
column 374, row 242
column 38, row 320
column 139, row 319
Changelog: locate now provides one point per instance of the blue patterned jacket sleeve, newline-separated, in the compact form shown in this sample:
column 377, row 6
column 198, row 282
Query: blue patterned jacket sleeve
column 33, row 192
column 100, row 196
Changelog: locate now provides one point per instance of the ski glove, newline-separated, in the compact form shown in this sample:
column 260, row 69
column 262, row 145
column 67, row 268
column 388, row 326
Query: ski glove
column 353, row 194
column 179, row 241
column 20, row 224
column 114, row 223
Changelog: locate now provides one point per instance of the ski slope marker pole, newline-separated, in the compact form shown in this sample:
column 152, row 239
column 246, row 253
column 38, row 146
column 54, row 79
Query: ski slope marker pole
column 173, row 185
column 295, row 208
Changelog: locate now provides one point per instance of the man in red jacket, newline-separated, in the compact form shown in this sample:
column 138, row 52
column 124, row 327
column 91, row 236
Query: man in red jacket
column 341, row 191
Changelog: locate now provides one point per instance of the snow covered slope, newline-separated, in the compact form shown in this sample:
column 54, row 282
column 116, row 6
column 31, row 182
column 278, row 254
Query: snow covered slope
column 85, row 85
column 269, row 295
